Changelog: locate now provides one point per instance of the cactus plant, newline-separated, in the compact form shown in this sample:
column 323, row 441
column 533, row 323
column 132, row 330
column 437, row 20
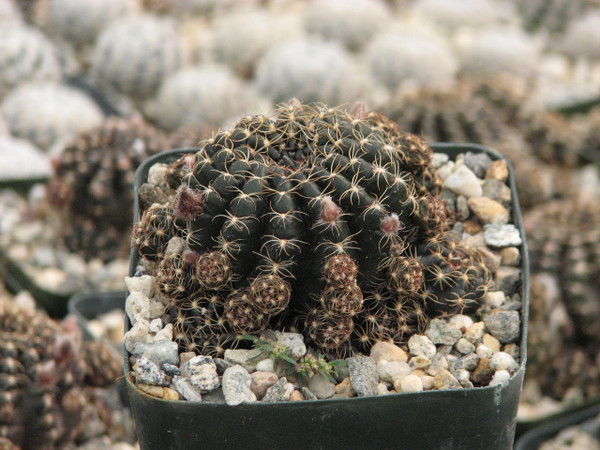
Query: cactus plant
column 325, row 221
column 48, row 379
column 133, row 55
column 551, row 16
column 25, row 55
column 9, row 11
column 209, row 94
column 398, row 57
column 311, row 70
column 93, row 183
column 463, row 13
column 352, row 24
column 81, row 22
column 47, row 114
column 580, row 37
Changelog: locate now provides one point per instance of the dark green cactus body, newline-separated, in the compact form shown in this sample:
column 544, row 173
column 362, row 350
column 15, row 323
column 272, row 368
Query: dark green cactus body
column 310, row 209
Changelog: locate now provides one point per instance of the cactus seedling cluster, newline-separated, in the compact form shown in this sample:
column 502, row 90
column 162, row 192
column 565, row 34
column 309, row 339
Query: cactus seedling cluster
column 312, row 219
column 93, row 184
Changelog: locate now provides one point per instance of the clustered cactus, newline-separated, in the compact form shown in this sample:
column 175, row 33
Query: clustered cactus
column 93, row 183
column 315, row 219
column 47, row 379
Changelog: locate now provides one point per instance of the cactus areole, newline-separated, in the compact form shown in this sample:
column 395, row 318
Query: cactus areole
column 312, row 219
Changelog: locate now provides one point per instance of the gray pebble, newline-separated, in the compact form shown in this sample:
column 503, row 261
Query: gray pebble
column 501, row 235
column 222, row 365
column 321, row 386
column 150, row 194
column 202, row 373
column 462, row 208
column 176, row 246
column 363, row 375
column 503, row 325
column 279, row 392
column 215, row 396
column 159, row 352
column 308, row 394
column 148, row 372
column 236, row 385
column 440, row 332
column 503, row 361
column 186, row 389
column 295, row 343
column 170, row 369
column 246, row 358
column 507, row 279
column 468, row 362
column 341, row 371
column 464, row 346
column 478, row 163
column 445, row 380
column 449, row 198
column 421, row 345
column 496, row 190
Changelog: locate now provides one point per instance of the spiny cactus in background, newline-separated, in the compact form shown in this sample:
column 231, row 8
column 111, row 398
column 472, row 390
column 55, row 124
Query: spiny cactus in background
column 557, row 362
column 81, row 22
column 208, row 95
column 581, row 36
column 47, row 114
column 93, row 185
column 47, row 381
column 564, row 241
column 551, row 15
column 499, row 49
column 352, row 24
column 453, row 15
column 241, row 37
column 25, row 55
column 189, row 136
column 311, row 70
column 133, row 55
column 414, row 57
column 324, row 221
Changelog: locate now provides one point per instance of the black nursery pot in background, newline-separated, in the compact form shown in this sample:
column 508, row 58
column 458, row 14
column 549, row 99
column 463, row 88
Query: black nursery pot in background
column 482, row 417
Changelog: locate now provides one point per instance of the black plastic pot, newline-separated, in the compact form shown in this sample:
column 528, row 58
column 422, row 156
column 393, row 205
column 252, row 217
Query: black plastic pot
column 467, row 418
column 16, row 280
column 584, row 416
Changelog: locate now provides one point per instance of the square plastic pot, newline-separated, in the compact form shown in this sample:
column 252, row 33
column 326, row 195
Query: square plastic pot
column 483, row 417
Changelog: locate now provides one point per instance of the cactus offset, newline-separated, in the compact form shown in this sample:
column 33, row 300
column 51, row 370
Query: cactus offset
column 300, row 221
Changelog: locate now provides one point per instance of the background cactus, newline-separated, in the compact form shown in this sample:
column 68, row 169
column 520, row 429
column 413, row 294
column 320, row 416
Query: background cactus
column 48, row 380
column 25, row 55
column 551, row 16
column 352, row 24
column 133, row 55
column 21, row 159
column 93, row 185
column 47, row 114
column 308, row 219
column 9, row 11
column 581, row 35
column 311, row 70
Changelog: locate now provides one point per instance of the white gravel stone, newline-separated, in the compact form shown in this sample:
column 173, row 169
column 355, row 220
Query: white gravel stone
column 428, row 382
column 503, row 361
column 146, row 371
column 388, row 352
column 156, row 325
column 139, row 332
column 491, row 342
column 236, row 386
column 279, row 392
column 475, row 332
column 464, row 346
column 186, row 389
column 392, row 370
column 501, row 235
column 410, row 383
column 437, row 363
column 382, row 389
column 166, row 334
column 494, row 299
column 439, row 159
column 464, row 182
column 157, row 175
column 461, row 375
column 266, row 365
column 483, row 351
column 202, row 373
column 137, row 307
column 419, row 362
column 295, row 343
column 144, row 285
column 441, row 332
column 159, row 352
column 445, row 170
column 460, row 321
column 499, row 377
column 422, row 345
column 363, row 374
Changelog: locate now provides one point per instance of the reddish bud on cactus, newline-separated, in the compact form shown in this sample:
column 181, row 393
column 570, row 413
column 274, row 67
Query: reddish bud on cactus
column 359, row 111
column 188, row 203
column 390, row 224
column 190, row 257
column 329, row 210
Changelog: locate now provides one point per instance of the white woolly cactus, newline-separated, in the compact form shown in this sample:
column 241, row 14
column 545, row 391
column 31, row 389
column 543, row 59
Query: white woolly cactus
column 464, row 13
column 46, row 114
column 241, row 37
column 582, row 37
column 135, row 54
column 400, row 57
column 351, row 23
column 80, row 21
column 200, row 95
column 25, row 55
column 21, row 159
column 312, row 71
column 503, row 49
